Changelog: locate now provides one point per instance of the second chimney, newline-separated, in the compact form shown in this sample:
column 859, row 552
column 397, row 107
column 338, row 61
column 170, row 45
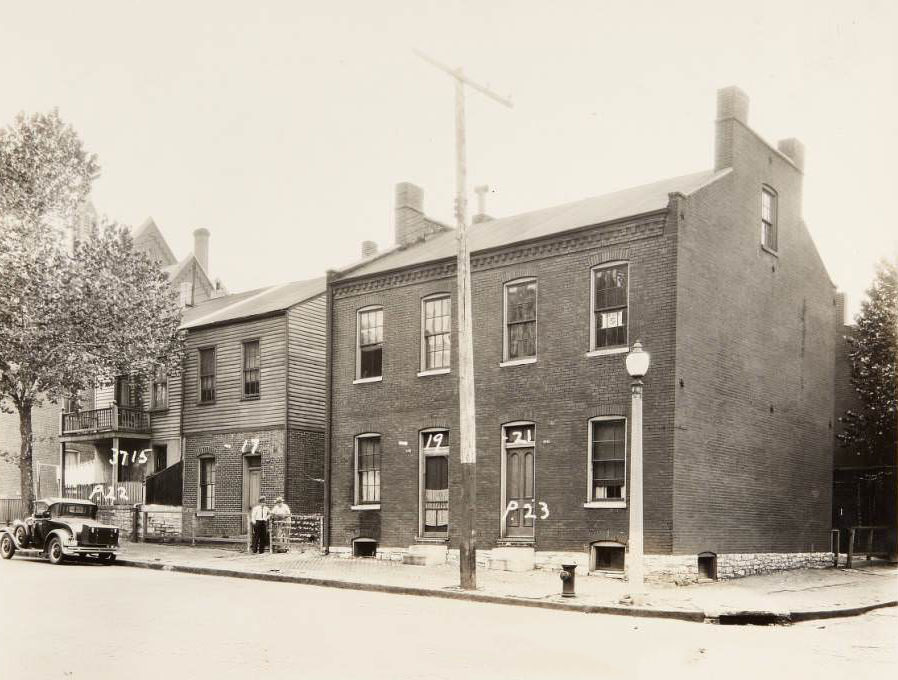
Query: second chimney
column 201, row 247
column 732, row 105
column 369, row 249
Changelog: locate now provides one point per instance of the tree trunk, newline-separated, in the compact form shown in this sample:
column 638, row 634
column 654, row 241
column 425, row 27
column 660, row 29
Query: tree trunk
column 26, row 466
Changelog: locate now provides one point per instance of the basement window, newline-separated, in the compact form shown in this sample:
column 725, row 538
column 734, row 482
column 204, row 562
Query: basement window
column 707, row 566
column 364, row 547
column 607, row 556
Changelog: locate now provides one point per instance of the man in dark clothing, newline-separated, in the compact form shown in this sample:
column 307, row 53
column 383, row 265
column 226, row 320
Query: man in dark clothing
column 259, row 522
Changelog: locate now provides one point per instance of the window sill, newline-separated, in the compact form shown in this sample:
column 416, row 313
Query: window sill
column 253, row 398
column 369, row 506
column 608, row 351
column 158, row 409
column 205, row 513
column 360, row 381
column 518, row 362
column 434, row 371
column 205, row 403
column 773, row 252
column 605, row 504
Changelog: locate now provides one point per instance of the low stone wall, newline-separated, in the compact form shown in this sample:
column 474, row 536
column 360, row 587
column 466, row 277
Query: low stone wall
column 684, row 568
column 162, row 521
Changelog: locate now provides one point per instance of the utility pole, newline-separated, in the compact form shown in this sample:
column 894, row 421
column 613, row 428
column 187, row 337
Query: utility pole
column 466, row 409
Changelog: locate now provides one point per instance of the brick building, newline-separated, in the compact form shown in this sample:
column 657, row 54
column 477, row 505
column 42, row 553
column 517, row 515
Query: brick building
column 253, row 405
column 714, row 272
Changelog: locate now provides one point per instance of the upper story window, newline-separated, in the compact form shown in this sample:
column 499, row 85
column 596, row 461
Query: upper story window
column 520, row 320
column 610, row 291
column 370, row 349
column 367, row 469
column 768, row 218
column 607, row 457
column 159, row 392
column 251, row 369
column 207, row 375
column 123, row 391
column 436, row 322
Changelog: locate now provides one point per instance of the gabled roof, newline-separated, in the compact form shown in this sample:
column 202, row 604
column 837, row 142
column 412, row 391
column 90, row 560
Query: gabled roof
column 539, row 223
column 147, row 232
column 252, row 303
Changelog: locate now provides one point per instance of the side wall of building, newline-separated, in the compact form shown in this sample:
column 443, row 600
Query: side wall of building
column 45, row 428
column 754, row 398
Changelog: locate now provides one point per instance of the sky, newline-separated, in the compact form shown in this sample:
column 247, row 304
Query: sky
column 283, row 127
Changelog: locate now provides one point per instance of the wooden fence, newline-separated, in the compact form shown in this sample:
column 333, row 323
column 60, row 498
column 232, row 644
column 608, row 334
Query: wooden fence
column 123, row 493
column 164, row 487
column 11, row 509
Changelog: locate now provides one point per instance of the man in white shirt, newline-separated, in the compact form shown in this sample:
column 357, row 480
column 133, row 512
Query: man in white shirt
column 259, row 522
column 280, row 522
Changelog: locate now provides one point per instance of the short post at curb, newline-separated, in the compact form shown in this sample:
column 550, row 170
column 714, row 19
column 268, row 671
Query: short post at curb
column 637, row 366
column 567, row 580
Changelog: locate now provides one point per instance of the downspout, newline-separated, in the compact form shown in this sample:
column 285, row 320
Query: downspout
column 328, row 408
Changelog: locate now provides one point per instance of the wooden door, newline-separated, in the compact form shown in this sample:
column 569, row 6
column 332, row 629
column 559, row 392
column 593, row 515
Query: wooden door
column 519, row 463
column 254, row 487
column 436, row 494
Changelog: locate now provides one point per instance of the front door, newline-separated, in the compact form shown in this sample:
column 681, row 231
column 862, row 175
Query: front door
column 519, row 468
column 252, row 486
column 436, row 494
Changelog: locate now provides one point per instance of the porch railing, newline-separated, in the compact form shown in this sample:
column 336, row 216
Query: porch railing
column 109, row 419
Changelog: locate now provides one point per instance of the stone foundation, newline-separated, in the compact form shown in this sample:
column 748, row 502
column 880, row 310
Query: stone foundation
column 684, row 568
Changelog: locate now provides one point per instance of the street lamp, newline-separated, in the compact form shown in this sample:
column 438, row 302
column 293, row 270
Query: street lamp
column 637, row 367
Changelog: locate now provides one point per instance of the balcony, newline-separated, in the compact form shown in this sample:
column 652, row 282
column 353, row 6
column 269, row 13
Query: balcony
column 109, row 419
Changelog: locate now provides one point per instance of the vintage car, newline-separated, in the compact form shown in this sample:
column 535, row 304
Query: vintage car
column 59, row 528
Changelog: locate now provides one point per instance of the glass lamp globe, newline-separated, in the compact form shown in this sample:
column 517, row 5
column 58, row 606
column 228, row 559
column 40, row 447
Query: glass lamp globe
column 637, row 361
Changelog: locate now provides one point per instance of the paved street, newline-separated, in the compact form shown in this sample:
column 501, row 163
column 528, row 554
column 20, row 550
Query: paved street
column 93, row 621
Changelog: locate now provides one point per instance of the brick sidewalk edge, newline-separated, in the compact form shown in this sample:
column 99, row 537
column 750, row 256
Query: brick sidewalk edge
column 694, row 616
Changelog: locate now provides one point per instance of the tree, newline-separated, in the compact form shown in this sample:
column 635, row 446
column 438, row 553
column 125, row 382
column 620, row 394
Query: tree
column 873, row 355
column 70, row 317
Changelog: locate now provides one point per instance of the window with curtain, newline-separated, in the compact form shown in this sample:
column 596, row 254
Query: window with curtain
column 207, row 484
column 610, row 306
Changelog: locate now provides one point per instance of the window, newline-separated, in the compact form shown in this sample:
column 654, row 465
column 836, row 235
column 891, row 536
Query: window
column 371, row 343
column 607, row 442
column 207, row 484
column 160, row 457
column 207, row 375
column 367, row 465
column 251, row 369
column 436, row 320
column 768, row 218
column 159, row 397
column 609, row 306
column 520, row 320
column 123, row 384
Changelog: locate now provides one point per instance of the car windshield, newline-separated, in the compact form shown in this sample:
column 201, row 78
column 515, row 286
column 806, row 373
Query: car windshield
column 76, row 509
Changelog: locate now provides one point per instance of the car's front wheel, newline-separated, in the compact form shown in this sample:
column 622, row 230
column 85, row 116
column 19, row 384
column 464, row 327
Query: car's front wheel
column 7, row 547
column 54, row 551
column 107, row 557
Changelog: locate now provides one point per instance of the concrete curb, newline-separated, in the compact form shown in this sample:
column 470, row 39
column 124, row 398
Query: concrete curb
column 642, row 612
column 755, row 617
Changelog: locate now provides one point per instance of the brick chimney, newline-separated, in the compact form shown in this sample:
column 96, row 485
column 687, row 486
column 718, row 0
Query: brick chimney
column 369, row 249
column 732, row 109
column 201, row 247
column 410, row 223
column 481, row 215
column 840, row 303
column 794, row 150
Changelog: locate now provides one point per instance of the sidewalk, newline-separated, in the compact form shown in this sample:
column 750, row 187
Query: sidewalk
column 797, row 595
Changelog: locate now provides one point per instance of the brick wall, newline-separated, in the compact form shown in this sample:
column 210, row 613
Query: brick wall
column 755, row 344
column 559, row 393
column 45, row 425
column 226, row 449
column 303, row 487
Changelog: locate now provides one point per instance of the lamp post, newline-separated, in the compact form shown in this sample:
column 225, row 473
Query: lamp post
column 637, row 367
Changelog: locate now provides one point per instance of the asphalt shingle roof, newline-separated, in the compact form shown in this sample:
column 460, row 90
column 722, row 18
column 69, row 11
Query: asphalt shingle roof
column 526, row 226
column 252, row 303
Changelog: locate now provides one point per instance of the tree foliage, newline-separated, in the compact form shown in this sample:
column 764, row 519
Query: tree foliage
column 873, row 357
column 73, row 315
